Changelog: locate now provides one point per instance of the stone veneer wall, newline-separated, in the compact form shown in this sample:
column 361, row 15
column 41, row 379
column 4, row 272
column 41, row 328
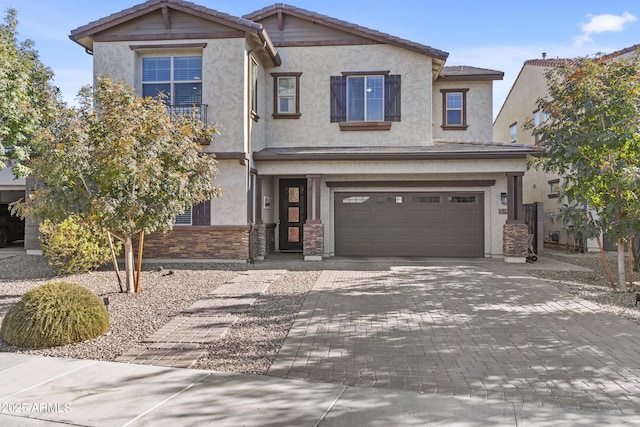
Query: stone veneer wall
column 516, row 240
column 199, row 242
column 270, row 238
column 313, row 240
column 262, row 240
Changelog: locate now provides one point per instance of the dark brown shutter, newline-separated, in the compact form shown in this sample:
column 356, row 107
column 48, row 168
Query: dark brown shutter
column 392, row 98
column 338, row 99
column 201, row 213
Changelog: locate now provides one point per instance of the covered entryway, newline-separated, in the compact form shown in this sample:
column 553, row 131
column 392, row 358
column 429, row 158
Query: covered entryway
column 424, row 224
column 293, row 214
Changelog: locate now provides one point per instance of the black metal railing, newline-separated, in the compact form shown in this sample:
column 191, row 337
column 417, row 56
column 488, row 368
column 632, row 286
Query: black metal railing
column 198, row 110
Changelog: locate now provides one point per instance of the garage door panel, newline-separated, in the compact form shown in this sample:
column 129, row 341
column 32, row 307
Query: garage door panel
column 462, row 217
column 409, row 224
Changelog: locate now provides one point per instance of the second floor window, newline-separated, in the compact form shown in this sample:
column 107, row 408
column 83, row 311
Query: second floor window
column 454, row 109
column 365, row 98
column 286, row 95
column 371, row 97
column 513, row 132
column 177, row 79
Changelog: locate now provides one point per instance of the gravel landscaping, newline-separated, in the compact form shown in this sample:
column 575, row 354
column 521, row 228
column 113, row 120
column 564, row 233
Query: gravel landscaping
column 132, row 317
column 593, row 286
column 251, row 344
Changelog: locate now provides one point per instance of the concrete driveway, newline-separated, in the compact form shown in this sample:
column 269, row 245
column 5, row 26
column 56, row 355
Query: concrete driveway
column 464, row 328
column 13, row 249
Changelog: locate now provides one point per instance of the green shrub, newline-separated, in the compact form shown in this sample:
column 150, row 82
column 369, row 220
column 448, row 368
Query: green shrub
column 74, row 246
column 55, row 314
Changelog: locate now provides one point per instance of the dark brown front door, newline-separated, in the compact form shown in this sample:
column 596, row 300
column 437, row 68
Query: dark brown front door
column 293, row 213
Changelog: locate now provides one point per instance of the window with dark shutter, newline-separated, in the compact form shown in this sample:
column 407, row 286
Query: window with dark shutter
column 357, row 111
column 392, row 98
column 338, row 99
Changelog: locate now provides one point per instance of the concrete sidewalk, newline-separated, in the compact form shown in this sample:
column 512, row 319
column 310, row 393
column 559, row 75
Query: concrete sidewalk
column 37, row 391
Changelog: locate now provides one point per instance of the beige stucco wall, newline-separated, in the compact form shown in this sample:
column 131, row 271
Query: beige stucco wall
column 317, row 64
column 231, row 207
column 479, row 104
column 223, row 81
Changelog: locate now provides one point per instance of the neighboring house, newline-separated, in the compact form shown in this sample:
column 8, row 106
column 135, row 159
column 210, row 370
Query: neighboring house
column 336, row 140
column 520, row 107
column 11, row 189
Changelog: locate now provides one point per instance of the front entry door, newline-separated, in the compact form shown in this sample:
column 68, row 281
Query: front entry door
column 293, row 213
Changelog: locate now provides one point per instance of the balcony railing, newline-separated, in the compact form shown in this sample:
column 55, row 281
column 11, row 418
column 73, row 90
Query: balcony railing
column 199, row 110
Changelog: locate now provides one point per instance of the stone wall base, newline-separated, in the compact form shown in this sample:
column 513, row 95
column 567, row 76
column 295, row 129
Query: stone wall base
column 516, row 242
column 199, row 242
column 313, row 246
column 262, row 241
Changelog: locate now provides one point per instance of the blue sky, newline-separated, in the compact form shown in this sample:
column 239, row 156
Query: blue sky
column 493, row 34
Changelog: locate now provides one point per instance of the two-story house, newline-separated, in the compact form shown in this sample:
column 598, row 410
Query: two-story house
column 335, row 139
column 520, row 107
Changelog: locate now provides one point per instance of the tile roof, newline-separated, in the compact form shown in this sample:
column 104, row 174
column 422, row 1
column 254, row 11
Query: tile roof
column 548, row 62
column 440, row 149
column 132, row 12
column 347, row 26
column 466, row 72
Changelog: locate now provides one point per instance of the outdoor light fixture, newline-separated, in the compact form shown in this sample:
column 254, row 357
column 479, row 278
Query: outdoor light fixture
column 503, row 198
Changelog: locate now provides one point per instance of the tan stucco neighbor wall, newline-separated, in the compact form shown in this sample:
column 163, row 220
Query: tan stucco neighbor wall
column 520, row 105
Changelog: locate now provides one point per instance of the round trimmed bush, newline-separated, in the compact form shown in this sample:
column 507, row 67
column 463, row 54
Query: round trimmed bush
column 55, row 314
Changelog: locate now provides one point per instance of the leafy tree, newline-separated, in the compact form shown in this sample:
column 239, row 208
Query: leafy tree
column 592, row 139
column 25, row 93
column 123, row 162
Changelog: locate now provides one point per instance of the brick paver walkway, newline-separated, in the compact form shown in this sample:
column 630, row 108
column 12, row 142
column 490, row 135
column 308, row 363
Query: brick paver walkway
column 180, row 342
column 480, row 330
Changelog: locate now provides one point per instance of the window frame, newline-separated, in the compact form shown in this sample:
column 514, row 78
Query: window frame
column 392, row 101
column 513, row 132
column 202, row 213
column 253, row 87
column 463, row 109
column 365, row 100
column 276, row 97
column 172, row 82
column 537, row 117
column 181, row 219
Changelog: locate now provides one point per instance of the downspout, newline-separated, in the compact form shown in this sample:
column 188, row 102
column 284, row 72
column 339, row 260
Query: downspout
column 250, row 184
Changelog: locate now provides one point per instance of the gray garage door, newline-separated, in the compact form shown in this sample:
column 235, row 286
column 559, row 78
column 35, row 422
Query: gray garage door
column 409, row 224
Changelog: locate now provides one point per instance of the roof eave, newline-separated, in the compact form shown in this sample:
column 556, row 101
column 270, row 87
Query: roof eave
column 270, row 156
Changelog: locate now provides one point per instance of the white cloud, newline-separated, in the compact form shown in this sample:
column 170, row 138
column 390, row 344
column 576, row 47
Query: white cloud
column 603, row 23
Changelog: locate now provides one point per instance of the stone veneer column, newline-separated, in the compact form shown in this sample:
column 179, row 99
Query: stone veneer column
column 259, row 247
column 516, row 242
column 515, row 231
column 313, row 245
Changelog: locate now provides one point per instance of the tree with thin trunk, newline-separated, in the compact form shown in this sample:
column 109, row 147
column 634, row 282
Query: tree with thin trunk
column 122, row 162
column 592, row 139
